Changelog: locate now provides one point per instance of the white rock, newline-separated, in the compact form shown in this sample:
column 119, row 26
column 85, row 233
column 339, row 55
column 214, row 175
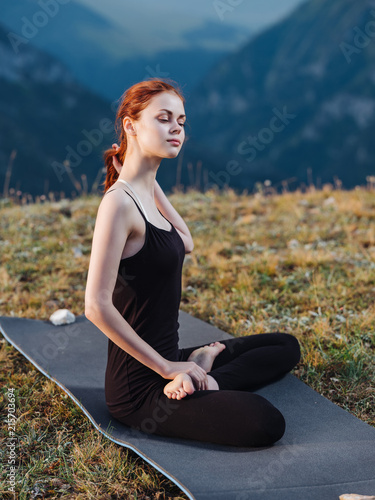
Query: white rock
column 303, row 202
column 293, row 244
column 352, row 496
column 77, row 252
column 62, row 317
column 329, row 201
column 341, row 318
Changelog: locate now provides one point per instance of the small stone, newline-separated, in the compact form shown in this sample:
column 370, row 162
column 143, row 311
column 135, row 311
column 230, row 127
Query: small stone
column 62, row 317
column 341, row 318
column 77, row 252
column 353, row 496
column 293, row 244
column 303, row 203
column 329, row 201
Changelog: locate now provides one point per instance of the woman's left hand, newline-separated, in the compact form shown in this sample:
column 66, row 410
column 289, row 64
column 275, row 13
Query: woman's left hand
column 115, row 161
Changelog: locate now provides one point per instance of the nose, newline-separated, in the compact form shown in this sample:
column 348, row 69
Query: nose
column 178, row 127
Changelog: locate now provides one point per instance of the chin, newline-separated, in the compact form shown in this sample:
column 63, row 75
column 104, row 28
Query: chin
column 172, row 154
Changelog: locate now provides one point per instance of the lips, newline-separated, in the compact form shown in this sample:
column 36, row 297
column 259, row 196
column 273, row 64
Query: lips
column 176, row 142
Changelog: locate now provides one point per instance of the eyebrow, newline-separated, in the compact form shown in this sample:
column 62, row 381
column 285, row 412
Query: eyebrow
column 170, row 113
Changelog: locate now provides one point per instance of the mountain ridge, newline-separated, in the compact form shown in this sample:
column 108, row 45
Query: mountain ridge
column 297, row 65
column 44, row 112
column 107, row 61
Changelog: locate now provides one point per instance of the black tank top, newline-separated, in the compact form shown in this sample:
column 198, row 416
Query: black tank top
column 147, row 293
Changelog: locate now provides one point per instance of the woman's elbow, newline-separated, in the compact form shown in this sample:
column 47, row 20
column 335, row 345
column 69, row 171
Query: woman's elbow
column 90, row 313
column 93, row 311
column 189, row 246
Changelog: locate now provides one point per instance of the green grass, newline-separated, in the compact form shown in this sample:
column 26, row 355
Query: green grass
column 302, row 263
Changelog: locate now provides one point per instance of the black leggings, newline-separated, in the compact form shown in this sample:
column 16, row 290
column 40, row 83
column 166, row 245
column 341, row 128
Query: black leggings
column 232, row 415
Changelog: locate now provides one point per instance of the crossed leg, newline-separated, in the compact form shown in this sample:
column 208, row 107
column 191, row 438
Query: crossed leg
column 231, row 415
column 247, row 362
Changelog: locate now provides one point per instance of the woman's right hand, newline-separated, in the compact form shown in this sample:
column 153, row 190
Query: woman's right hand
column 197, row 374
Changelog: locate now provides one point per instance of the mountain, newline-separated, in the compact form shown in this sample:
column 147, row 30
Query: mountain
column 85, row 41
column 186, row 67
column 298, row 96
column 108, row 57
column 47, row 117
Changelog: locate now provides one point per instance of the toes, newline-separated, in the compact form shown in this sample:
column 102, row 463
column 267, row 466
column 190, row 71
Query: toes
column 180, row 394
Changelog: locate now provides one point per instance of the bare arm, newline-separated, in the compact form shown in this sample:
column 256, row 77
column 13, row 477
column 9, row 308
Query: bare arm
column 108, row 243
column 112, row 228
column 170, row 213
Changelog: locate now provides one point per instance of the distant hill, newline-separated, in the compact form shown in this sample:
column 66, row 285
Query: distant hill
column 299, row 96
column 104, row 56
column 47, row 117
column 85, row 41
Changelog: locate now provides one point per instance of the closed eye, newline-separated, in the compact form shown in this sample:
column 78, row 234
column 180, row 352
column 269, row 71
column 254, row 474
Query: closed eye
column 161, row 120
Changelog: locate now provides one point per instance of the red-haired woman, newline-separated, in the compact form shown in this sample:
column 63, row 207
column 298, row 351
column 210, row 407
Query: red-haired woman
column 133, row 295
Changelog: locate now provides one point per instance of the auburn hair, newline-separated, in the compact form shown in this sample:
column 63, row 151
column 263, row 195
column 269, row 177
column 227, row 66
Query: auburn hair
column 133, row 101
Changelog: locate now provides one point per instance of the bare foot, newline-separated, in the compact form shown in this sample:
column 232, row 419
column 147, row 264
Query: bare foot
column 205, row 356
column 181, row 386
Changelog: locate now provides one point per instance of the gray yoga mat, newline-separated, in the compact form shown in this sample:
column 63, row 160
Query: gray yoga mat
column 324, row 452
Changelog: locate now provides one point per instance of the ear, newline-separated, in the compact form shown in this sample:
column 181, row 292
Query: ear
column 128, row 126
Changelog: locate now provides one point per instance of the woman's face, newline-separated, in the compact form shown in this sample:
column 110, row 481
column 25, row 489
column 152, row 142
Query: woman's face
column 162, row 120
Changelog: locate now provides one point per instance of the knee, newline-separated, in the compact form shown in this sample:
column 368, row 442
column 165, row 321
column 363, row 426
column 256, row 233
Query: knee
column 270, row 425
column 292, row 348
column 274, row 426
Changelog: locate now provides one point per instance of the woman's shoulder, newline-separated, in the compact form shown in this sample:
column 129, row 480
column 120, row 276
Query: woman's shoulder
column 117, row 195
column 116, row 203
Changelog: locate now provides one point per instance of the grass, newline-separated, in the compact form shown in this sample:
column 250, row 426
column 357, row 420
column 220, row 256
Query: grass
column 301, row 262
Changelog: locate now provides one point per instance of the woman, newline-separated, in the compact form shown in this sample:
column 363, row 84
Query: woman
column 133, row 294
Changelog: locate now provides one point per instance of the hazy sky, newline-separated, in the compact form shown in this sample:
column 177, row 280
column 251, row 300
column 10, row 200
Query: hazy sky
column 156, row 25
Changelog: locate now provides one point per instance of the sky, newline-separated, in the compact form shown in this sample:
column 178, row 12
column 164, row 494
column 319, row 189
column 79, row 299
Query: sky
column 156, row 25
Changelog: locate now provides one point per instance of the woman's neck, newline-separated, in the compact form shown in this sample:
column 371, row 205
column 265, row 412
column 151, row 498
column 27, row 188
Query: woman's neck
column 141, row 176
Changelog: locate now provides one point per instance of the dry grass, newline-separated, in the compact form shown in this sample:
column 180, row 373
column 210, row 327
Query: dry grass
column 302, row 263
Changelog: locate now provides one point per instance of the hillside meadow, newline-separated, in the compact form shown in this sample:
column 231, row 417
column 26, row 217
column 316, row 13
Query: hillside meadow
column 301, row 263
